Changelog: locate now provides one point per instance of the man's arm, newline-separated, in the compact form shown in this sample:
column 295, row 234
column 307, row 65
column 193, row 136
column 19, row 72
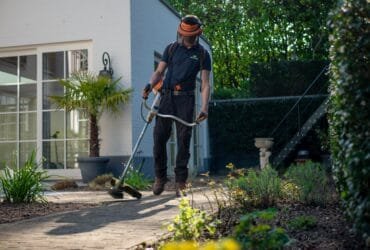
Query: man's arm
column 158, row 73
column 205, row 95
column 155, row 78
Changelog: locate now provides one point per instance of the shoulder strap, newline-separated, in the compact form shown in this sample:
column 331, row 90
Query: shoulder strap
column 171, row 51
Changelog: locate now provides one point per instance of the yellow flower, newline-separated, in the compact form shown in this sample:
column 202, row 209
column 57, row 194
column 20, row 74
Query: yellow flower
column 211, row 245
column 230, row 244
column 230, row 166
column 170, row 246
column 183, row 245
column 188, row 245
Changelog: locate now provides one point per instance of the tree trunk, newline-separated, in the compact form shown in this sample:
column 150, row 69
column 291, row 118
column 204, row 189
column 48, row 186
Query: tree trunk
column 94, row 137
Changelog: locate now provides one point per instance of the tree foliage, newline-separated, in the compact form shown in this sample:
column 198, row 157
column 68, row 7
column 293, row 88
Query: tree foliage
column 243, row 32
column 350, row 113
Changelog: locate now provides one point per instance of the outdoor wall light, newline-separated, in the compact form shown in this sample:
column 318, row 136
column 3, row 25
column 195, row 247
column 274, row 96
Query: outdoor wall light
column 107, row 71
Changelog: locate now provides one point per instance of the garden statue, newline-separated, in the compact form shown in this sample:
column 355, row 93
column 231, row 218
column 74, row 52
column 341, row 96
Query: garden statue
column 264, row 144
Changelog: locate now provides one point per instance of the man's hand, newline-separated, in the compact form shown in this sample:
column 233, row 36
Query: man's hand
column 146, row 91
column 201, row 117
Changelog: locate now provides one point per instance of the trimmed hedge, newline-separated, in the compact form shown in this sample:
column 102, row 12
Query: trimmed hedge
column 279, row 78
column 287, row 78
column 350, row 112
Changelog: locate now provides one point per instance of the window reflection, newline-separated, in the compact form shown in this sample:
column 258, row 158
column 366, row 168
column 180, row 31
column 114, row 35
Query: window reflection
column 25, row 150
column 76, row 148
column 27, row 68
column 8, row 151
column 53, row 65
column 76, row 61
column 50, row 89
column 77, row 124
column 8, row 70
column 8, row 127
column 27, row 95
column 27, row 126
column 8, row 98
column 53, row 153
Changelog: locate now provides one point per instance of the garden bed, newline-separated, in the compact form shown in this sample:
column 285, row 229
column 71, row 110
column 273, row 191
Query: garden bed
column 331, row 230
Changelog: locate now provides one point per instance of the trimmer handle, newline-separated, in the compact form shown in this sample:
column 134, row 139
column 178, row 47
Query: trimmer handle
column 152, row 87
column 154, row 108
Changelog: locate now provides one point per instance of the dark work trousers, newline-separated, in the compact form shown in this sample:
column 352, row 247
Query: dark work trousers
column 181, row 106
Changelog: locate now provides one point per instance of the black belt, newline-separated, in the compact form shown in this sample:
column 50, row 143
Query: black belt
column 177, row 93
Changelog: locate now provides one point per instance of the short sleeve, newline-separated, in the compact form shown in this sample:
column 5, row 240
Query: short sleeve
column 165, row 56
column 207, row 65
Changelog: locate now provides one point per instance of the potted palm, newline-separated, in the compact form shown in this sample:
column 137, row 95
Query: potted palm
column 94, row 95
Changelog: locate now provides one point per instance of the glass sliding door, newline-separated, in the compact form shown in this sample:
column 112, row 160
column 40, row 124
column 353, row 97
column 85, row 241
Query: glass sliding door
column 64, row 134
column 29, row 120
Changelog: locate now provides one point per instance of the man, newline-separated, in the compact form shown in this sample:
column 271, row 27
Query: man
column 184, row 59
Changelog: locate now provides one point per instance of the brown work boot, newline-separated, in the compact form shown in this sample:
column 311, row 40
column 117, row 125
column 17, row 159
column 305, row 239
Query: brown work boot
column 180, row 189
column 158, row 186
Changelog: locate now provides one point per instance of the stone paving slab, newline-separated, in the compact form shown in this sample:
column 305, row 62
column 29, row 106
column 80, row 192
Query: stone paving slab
column 116, row 224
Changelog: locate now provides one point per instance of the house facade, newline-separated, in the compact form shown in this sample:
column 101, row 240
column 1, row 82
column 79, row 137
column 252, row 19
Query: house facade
column 49, row 40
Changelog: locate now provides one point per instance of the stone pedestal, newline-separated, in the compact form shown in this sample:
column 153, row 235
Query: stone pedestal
column 264, row 144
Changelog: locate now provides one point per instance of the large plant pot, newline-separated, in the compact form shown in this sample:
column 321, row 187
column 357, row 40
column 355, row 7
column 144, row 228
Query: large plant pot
column 92, row 167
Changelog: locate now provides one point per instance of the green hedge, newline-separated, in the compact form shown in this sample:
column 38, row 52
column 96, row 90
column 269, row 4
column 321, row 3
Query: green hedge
column 233, row 125
column 278, row 78
column 287, row 78
column 350, row 112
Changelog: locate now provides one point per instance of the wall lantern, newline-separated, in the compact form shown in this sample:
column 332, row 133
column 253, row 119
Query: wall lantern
column 107, row 71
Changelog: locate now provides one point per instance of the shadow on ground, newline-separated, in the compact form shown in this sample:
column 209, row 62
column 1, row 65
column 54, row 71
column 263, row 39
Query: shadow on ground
column 125, row 210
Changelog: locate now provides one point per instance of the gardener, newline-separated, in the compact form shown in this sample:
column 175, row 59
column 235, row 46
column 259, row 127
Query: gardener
column 184, row 59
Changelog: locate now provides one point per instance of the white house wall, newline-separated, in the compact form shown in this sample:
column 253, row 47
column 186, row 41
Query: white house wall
column 104, row 24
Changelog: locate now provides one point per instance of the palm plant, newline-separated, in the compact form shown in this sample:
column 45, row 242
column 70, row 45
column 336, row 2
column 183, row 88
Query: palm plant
column 92, row 94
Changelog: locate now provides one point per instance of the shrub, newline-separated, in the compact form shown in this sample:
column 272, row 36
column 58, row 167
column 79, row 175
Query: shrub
column 302, row 222
column 190, row 223
column 137, row 180
column 255, row 232
column 349, row 116
column 290, row 190
column 311, row 180
column 262, row 188
column 101, row 181
column 23, row 184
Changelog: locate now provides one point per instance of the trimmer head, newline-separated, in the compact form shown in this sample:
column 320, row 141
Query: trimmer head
column 117, row 192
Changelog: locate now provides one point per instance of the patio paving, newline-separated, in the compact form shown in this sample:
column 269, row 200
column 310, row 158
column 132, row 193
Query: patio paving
column 116, row 224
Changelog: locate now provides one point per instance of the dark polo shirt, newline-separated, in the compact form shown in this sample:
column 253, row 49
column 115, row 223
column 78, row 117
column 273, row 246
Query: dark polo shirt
column 184, row 66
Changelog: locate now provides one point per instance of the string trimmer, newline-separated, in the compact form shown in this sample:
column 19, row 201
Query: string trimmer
column 118, row 185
